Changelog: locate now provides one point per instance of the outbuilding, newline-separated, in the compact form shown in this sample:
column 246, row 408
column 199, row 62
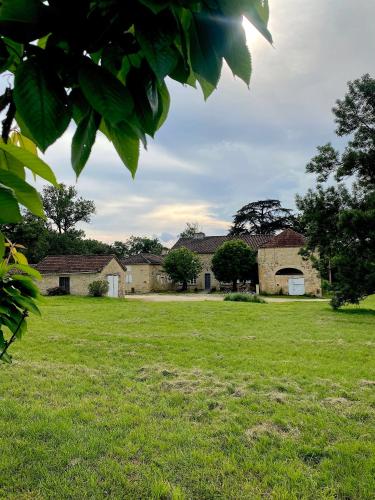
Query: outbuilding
column 74, row 273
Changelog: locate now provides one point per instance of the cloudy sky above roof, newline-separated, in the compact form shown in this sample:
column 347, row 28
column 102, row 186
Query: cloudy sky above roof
column 209, row 159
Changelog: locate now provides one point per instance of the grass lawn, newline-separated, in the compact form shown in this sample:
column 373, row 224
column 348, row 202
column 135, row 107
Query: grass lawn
column 201, row 400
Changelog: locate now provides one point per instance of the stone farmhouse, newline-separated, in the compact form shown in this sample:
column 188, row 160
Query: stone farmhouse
column 74, row 273
column 280, row 267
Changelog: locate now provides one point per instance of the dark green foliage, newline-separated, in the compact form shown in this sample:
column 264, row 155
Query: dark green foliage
column 98, row 288
column 64, row 208
column 339, row 221
column 191, row 230
column 244, row 297
column 136, row 245
column 104, row 63
column 182, row 265
column 233, row 261
column 57, row 290
column 263, row 217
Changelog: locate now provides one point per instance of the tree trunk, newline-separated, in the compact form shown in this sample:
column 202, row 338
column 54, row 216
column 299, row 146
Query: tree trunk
column 234, row 286
column 184, row 286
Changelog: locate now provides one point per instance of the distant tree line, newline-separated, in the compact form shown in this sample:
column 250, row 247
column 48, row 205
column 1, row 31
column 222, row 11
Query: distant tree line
column 57, row 234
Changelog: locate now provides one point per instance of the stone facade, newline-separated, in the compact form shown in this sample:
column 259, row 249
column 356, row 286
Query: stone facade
column 146, row 278
column 79, row 282
column 274, row 260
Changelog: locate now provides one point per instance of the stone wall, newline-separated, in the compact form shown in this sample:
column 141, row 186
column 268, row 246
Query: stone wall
column 271, row 260
column 79, row 282
column 146, row 278
column 206, row 260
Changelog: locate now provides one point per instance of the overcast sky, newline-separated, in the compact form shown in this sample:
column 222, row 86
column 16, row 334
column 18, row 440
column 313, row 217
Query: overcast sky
column 209, row 159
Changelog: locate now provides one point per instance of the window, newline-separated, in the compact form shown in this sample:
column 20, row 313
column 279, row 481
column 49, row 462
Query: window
column 128, row 278
column 64, row 282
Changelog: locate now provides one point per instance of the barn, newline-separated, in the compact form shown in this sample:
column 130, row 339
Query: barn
column 74, row 273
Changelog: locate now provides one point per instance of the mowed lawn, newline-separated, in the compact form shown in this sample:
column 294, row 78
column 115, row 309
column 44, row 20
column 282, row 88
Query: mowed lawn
column 203, row 400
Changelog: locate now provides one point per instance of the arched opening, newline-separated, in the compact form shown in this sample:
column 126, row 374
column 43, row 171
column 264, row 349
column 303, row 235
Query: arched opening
column 289, row 271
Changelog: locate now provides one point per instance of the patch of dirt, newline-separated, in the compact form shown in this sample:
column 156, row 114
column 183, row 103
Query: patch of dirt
column 367, row 383
column 339, row 401
column 278, row 397
column 271, row 430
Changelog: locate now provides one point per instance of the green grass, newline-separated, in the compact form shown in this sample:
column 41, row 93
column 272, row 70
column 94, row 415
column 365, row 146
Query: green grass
column 201, row 400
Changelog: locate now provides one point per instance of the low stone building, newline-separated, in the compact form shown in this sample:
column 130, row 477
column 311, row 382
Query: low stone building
column 283, row 271
column 280, row 267
column 74, row 273
column 205, row 247
column 145, row 273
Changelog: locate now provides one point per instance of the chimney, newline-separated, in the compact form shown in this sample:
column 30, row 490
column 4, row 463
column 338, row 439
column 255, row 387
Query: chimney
column 199, row 236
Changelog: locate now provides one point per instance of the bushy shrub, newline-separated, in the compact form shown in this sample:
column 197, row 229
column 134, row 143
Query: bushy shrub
column 57, row 290
column 98, row 288
column 244, row 297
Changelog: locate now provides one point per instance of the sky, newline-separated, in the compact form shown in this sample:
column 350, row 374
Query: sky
column 242, row 145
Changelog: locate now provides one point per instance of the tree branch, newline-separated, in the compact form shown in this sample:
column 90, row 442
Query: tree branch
column 13, row 337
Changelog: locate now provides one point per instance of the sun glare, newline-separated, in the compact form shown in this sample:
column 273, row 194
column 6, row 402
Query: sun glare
column 252, row 34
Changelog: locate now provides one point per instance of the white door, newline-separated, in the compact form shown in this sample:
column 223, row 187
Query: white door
column 112, row 285
column 296, row 286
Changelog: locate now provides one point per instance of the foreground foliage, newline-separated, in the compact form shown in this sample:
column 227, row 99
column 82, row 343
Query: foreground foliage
column 18, row 296
column 202, row 400
column 103, row 64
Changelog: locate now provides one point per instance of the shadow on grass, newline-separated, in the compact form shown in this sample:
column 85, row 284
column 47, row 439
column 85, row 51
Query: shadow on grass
column 357, row 312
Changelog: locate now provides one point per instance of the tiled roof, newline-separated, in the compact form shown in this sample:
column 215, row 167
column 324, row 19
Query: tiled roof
column 75, row 263
column 143, row 258
column 209, row 244
column 287, row 238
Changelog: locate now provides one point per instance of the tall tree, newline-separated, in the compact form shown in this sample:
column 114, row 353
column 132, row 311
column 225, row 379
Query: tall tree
column 262, row 217
column 136, row 245
column 65, row 208
column 191, row 230
column 182, row 265
column 233, row 261
column 340, row 222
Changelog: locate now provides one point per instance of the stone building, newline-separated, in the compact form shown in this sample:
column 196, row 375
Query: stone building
column 74, row 273
column 280, row 267
column 144, row 273
column 283, row 271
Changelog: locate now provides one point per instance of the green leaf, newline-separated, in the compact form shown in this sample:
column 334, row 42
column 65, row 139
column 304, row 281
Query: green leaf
column 6, row 358
column 25, row 194
column 31, row 271
column 207, row 87
column 106, row 94
column 31, row 161
column 25, row 285
column 155, row 6
column 41, row 102
column 9, row 209
column 236, row 53
column 22, row 20
column 157, row 43
column 126, row 144
column 83, row 140
column 8, row 162
column 164, row 102
column 204, row 59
